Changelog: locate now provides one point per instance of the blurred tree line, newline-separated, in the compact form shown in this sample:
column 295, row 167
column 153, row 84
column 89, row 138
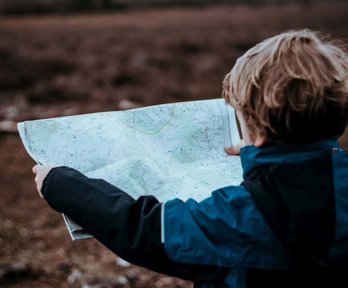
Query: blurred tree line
column 18, row 7
column 55, row 6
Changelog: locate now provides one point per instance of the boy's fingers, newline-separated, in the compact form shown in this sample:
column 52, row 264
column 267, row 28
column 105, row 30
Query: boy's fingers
column 35, row 169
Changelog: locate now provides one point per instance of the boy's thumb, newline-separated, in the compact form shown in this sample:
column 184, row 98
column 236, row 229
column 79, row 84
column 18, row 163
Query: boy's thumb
column 231, row 150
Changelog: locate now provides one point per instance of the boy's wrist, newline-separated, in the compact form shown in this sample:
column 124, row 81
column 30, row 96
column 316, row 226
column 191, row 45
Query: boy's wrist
column 46, row 180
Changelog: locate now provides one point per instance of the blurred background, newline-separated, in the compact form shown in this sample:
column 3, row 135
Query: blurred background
column 65, row 57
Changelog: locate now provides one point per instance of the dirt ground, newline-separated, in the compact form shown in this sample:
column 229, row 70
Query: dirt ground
column 63, row 65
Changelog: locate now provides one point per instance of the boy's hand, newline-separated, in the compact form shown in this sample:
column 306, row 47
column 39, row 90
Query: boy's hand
column 235, row 150
column 41, row 171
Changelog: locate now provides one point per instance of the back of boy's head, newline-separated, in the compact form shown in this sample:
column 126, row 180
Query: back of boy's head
column 291, row 88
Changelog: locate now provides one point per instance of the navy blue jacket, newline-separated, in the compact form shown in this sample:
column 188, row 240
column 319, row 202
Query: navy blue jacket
column 235, row 237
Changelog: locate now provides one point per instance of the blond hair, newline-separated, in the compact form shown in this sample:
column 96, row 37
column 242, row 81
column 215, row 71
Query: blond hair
column 291, row 88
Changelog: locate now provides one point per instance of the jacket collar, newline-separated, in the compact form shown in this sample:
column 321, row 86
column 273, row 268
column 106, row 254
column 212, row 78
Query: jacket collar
column 252, row 156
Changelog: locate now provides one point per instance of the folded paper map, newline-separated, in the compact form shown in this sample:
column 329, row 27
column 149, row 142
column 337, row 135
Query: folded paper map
column 169, row 151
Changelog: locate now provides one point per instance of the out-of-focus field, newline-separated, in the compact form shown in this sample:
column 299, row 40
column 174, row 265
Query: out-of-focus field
column 63, row 65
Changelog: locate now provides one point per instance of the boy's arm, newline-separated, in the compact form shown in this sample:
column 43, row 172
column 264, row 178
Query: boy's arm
column 128, row 227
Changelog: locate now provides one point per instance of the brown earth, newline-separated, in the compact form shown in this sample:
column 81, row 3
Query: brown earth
column 62, row 65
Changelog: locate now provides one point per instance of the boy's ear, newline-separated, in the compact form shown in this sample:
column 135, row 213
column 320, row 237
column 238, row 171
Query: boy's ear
column 260, row 141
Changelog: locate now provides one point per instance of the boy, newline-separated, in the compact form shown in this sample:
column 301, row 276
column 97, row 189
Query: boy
column 286, row 224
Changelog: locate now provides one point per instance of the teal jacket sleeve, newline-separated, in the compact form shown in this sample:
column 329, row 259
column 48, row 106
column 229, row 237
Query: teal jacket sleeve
column 129, row 227
column 229, row 228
